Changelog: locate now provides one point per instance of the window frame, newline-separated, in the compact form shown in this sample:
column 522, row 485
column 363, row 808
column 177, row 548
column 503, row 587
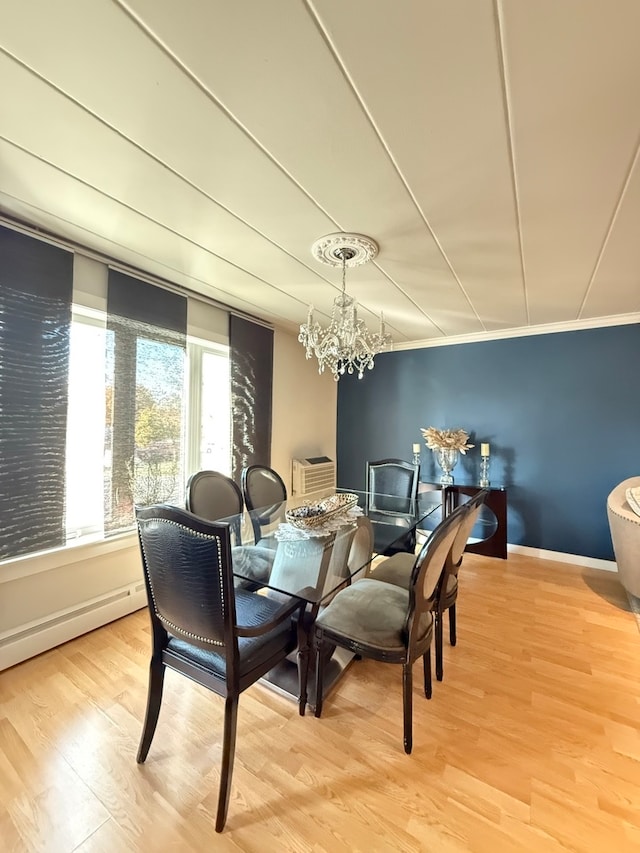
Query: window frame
column 196, row 349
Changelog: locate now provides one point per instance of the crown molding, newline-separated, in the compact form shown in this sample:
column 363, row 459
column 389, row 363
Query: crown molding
column 523, row 331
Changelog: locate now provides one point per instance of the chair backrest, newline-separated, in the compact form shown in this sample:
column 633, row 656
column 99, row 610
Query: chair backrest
column 392, row 484
column 474, row 505
column 361, row 550
column 301, row 565
column 189, row 578
column 617, row 498
column 265, row 495
column 430, row 570
column 624, row 527
column 213, row 495
column 338, row 569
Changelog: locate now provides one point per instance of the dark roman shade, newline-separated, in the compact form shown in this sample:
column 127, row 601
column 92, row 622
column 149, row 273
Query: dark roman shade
column 251, row 353
column 145, row 387
column 36, row 281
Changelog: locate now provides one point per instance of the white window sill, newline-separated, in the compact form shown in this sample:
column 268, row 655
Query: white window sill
column 33, row 564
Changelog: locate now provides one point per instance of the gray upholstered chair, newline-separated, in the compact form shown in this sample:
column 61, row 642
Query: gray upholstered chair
column 361, row 551
column 213, row 495
column 624, row 525
column 265, row 496
column 384, row 622
column 302, row 565
column 397, row 570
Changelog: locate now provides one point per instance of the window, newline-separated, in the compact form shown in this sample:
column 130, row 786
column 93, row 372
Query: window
column 174, row 433
column 210, row 407
column 106, row 401
column 87, row 433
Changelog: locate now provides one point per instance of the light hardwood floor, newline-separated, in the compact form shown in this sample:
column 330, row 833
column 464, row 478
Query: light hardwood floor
column 530, row 743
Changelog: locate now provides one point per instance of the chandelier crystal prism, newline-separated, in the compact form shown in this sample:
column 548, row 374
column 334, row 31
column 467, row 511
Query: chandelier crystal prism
column 346, row 345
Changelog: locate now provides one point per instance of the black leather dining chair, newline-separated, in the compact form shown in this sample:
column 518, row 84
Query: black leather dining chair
column 265, row 496
column 397, row 570
column 392, row 489
column 387, row 623
column 220, row 637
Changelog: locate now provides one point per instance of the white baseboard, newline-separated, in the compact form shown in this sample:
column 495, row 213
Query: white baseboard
column 26, row 641
column 32, row 639
column 560, row 557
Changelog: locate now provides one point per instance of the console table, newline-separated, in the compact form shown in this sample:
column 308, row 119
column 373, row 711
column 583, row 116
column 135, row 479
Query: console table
column 495, row 543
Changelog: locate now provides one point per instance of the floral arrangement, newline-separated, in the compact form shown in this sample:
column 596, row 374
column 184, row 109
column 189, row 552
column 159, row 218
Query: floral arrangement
column 451, row 439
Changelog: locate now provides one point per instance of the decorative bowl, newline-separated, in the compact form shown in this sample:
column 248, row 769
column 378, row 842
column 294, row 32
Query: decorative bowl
column 343, row 501
column 309, row 515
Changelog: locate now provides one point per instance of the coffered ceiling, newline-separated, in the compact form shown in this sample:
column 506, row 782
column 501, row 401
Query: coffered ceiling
column 490, row 147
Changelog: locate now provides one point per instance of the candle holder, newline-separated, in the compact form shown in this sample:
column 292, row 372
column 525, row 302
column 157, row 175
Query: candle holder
column 416, row 457
column 484, row 471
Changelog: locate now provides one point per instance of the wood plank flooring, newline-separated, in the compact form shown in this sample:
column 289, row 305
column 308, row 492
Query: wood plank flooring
column 530, row 743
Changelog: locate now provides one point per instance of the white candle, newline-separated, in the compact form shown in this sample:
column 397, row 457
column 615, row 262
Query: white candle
column 416, row 448
column 484, row 450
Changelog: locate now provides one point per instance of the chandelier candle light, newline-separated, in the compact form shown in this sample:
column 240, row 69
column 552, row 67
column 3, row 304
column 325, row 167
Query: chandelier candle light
column 346, row 346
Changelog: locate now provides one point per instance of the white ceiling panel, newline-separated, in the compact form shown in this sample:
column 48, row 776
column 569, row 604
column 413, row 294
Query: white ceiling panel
column 456, row 158
column 158, row 251
column 574, row 89
column 488, row 147
column 617, row 278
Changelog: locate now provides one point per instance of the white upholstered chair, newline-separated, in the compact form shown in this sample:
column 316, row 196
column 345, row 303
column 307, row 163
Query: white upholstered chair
column 624, row 525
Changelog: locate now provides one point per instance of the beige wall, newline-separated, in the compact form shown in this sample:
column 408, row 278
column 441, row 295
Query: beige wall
column 304, row 407
column 48, row 599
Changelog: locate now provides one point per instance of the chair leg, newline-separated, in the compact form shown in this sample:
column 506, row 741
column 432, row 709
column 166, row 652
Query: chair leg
column 439, row 644
column 452, row 624
column 303, row 676
column 426, row 664
column 320, row 657
column 305, row 626
column 154, row 700
column 407, row 700
column 228, row 753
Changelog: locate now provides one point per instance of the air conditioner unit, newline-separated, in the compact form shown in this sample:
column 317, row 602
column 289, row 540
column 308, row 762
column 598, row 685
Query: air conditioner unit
column 312, row 475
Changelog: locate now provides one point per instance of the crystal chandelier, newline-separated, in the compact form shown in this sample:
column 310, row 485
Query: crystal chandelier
column 346, row 346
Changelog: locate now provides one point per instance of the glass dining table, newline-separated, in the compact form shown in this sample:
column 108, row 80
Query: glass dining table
column 279, row 553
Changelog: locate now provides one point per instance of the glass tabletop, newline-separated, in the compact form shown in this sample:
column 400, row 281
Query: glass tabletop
column 312, row 562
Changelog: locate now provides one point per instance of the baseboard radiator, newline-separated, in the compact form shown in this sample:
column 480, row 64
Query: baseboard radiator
column 317, row 474
column 33, row 638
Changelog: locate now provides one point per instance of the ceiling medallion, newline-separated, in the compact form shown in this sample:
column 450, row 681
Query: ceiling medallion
column 329, row 249
column 346, row 345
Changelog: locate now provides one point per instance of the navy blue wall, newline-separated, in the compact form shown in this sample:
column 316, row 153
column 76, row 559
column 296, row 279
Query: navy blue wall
column 561, row 411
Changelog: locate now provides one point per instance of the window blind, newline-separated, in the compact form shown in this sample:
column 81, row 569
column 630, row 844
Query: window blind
column 145, row 387
column 251, row 355
column 36, row 281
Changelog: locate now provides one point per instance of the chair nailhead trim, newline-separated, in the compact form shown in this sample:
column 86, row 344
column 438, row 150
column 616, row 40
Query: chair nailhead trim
column 165, row 621
column 179, row 630
column 624, row 517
